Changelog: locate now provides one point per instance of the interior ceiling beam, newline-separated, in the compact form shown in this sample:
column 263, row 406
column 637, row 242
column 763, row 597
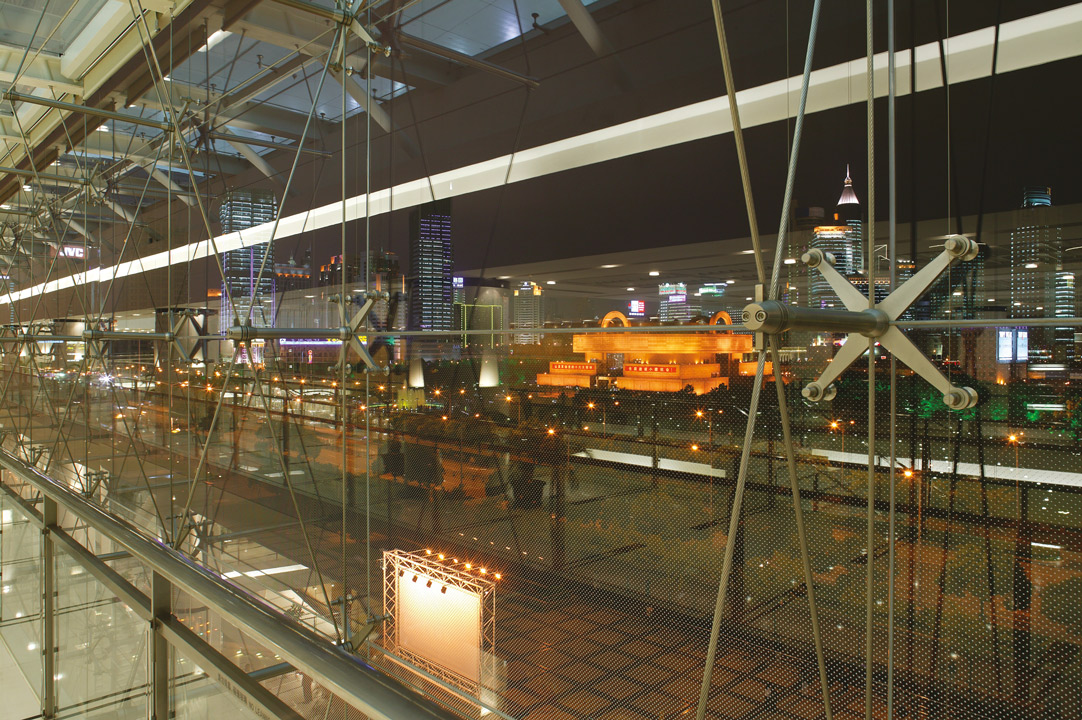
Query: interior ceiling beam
column 109, row 73
column 350, row 84
column 298, row 32
column 256, row 159
column 39, row 72
column 116, row 147
column 218, row 135
column 272, row 75
column 468, row 60
column 167, row 182
column 76, row 108
column 253, row 116
column 381, row 117
column 236, row 10
column 586, row 25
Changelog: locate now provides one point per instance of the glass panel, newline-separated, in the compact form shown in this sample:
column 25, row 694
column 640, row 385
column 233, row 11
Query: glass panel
column 101, row 658
column 522, row 505
column 20, row 601
column 197, row 697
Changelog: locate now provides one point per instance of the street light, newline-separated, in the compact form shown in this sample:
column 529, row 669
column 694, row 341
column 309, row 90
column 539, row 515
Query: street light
column 604, row 417
column 1016, row 441
column 710, row 425
column 840, row 425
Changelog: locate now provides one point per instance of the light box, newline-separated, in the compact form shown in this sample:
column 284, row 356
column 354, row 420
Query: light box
column 440, row 615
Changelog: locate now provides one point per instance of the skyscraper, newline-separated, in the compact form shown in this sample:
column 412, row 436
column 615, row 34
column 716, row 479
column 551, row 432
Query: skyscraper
column 675, row 305
column 842, row 239
column 384, row 275
column 431, row 257
column 1040, row 285
column 529, row 309
column 711, row 298
column 1036, row 255
column 330, row 274
column 240, row 210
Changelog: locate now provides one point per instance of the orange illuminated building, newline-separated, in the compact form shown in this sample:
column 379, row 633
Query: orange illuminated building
column 656, row 361
column 569, row 374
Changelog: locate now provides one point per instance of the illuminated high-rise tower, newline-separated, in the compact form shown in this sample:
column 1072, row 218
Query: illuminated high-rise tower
column 529, row 310
column 1040, row 284
column 431, row 255
column 240, row 210
column 431, row 292
column 842, row 238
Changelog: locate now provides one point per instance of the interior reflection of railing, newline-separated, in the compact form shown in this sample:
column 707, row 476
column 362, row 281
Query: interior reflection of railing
column 350, row 678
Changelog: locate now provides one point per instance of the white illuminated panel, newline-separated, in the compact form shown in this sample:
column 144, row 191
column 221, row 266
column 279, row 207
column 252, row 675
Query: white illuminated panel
column 441, row 614
column 1027, row 42
column 442, row 627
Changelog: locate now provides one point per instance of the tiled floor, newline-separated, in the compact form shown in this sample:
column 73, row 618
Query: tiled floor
column 20, row 701
column 579, row 661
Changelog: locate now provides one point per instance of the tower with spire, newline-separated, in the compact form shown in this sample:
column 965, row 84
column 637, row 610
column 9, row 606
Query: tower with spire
column 842, row 237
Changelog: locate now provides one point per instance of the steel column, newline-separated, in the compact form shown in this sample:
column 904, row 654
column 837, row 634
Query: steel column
column 48, row 611
column 161, row 592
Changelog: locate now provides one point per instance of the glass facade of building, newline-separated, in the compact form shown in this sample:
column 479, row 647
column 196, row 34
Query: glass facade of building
column 463, row 463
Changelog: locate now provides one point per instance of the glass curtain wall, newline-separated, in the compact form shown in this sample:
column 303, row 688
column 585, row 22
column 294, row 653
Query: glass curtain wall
column 482, row 404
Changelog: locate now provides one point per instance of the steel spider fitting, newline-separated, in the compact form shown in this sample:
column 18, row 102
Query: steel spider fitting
column 771, row 317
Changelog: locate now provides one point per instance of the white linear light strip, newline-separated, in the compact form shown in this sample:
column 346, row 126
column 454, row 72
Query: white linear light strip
column 269, row 571
column 1028, row 42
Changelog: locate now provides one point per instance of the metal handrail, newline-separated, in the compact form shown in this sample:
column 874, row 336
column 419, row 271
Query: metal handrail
column 361, row 685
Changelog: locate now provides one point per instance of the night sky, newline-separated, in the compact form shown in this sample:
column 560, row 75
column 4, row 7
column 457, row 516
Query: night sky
column 692, row 191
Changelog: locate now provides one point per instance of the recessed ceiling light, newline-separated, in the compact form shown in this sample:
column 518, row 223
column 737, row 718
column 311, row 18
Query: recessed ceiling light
column 550, row 282
column 730, row 282
column 504, row 277
column 1030, row 266
column 609, row 267
column 790, row 261
column 631, row 289
column 654, row 273
column 746, row 252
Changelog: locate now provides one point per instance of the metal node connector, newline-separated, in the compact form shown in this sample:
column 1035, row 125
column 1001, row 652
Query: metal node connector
column 960, row 398
column 861, row 322
column 816, row 392
column 815, row 257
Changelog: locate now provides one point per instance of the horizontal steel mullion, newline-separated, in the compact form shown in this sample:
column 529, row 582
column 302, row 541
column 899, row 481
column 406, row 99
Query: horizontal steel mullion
column 24, row 506
column 104, row 574
column 44, row 176
column 127, row 335
column 271, row 671
column 15, row 97
column 41, row 338
column 992, row 323
column 247, row 332
column 256, row 698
